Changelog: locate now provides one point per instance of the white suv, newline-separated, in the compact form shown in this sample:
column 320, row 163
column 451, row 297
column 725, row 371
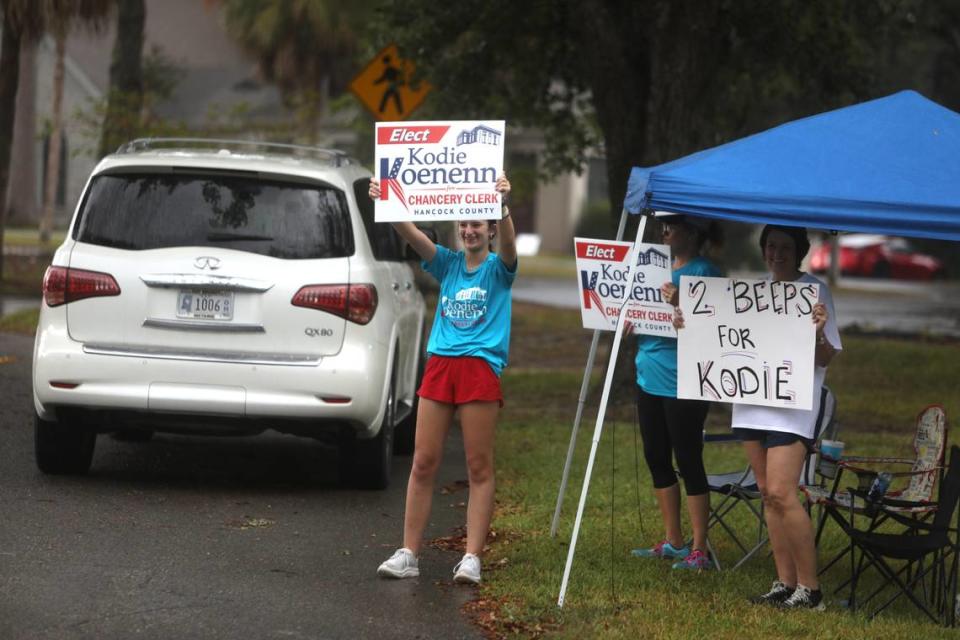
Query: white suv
column 211, row 286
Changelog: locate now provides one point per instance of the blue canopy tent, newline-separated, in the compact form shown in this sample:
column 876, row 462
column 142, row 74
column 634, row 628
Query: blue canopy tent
column 888, row 166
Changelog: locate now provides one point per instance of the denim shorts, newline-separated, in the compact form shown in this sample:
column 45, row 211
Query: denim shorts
column 771, row 439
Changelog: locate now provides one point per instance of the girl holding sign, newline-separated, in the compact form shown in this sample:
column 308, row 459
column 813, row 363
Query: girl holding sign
column 671, row 427
column 467, row 351
column 777, row 440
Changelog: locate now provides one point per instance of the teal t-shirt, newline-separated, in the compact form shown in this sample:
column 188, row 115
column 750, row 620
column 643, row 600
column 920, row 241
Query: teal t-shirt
column 656, row 355
column 473, row 312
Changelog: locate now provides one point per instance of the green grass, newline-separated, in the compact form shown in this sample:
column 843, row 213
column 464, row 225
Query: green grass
column 23, row 321
column 30, row 237
column 880, row 384
column 23, row 273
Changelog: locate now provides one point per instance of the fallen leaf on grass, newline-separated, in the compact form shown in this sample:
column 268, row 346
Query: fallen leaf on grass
column 487, row 613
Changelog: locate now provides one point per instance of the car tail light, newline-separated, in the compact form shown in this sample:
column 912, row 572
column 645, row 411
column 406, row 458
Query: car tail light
column 357, row 302
column 62, row 285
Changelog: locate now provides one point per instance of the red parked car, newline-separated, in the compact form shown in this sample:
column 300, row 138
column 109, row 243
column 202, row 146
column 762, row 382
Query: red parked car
column 863, row 254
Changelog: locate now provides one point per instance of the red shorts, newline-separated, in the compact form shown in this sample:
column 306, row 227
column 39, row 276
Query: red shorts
column 459, row 380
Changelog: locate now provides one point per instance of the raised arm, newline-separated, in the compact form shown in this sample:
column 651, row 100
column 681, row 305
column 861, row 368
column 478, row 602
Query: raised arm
column 508, row 235
column 417, row 239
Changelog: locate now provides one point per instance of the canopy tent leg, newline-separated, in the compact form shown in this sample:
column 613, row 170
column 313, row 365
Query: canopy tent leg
column 601, row 414
column 584, row 387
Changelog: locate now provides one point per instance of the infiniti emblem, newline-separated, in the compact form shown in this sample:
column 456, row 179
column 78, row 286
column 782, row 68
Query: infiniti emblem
column 207, row 262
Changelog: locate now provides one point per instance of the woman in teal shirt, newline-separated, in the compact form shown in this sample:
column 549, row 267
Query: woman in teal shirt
column 467, row 351
column 670, row 427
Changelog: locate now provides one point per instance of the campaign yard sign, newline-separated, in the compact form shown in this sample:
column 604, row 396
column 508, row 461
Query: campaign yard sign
column 439, row 170
column 603, row 270
column 747, row 341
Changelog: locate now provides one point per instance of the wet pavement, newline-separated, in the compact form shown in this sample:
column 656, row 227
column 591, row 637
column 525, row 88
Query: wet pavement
column 246, row 537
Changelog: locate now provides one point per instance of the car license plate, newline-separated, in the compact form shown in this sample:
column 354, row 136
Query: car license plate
column 205, row 305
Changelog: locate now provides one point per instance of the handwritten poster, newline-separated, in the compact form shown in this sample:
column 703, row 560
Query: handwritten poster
column 747, row 341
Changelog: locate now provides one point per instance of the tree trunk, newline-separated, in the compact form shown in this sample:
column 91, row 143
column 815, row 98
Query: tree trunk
column 125, row 94
column 52, row 179
column 621, row 105
column 22, row 197
column 9, row 76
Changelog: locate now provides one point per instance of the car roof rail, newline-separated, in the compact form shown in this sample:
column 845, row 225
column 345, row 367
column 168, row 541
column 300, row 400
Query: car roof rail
column 333, row 156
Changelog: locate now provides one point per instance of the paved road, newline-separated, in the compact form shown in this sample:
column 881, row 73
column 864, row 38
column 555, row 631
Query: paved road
column 11, row 304
column 209, row 538
column 884, row 305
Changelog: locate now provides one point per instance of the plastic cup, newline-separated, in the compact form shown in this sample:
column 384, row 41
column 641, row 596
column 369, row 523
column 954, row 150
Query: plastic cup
column 831, row 451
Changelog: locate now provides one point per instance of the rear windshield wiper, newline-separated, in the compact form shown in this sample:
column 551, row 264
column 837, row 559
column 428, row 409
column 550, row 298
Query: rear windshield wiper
column 226, row 237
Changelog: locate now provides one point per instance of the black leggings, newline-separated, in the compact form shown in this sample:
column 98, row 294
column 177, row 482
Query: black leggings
column 672, row 425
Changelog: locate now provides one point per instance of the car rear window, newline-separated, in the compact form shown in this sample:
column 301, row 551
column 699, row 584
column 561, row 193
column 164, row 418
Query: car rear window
column 289, row 220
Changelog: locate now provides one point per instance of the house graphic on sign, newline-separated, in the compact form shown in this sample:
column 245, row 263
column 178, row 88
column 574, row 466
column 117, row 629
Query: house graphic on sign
column 654, row 257
column 481, row 134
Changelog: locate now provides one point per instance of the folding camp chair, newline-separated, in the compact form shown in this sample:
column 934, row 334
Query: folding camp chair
column 928, row 550
column 915, row 499
column 739, row 488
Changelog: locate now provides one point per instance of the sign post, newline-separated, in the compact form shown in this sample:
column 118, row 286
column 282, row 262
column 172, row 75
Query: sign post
column 601, row 415
column 581, row 402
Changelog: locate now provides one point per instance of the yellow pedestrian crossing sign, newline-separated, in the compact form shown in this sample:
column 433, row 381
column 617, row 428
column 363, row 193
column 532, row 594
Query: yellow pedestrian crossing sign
column 385, row 86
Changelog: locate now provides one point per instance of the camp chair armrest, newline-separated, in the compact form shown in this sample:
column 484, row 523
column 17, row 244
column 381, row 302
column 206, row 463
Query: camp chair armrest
column 907, row 474
column 907, row 504
column 888, row 504
column 913, row 523
column 858, row 464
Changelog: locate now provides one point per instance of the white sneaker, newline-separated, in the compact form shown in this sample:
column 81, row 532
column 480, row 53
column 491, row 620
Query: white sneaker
column 402, row 564
column 467, row 570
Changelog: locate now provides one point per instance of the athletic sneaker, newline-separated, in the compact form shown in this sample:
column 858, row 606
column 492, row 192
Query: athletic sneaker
column 662, row 549
column 696, row 559
column 467, row 570
column 777, row 595
column 804, row 598
column 402, row 564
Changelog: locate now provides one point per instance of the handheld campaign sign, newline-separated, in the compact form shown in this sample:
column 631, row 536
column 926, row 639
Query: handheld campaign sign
column 747, row 341
column 439, row 170
column 602, row 269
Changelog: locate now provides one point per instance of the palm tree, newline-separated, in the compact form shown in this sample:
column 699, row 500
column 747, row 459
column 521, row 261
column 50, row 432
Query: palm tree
column 24, row 19
column 307, row 47
column 19, row 21
column 60, row 17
